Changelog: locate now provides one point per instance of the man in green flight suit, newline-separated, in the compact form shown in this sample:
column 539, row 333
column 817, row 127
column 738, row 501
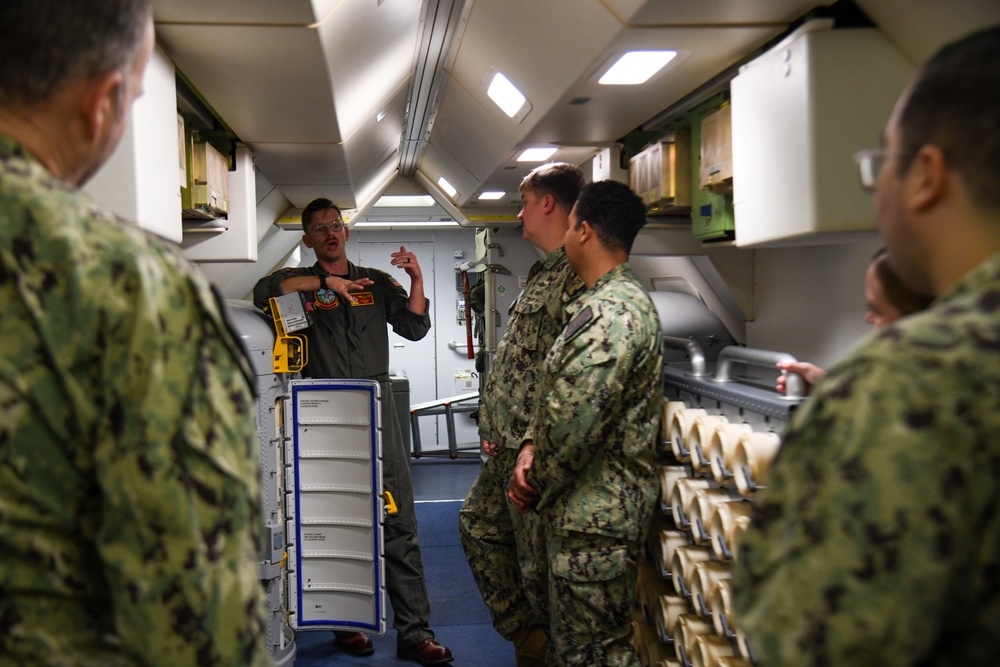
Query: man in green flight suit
column 877, row 540
column 352, row 307
column 588, row 467
column 498, row 541
column 130, row 510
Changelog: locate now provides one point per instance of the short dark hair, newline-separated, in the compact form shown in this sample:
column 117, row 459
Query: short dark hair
column 559, row 179
column 314, row 207
column 896, row 293
column 614, row 211
column 49, row 43
column 954, row 105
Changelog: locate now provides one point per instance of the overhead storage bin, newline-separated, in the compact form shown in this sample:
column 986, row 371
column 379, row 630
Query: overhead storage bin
column 800, row 112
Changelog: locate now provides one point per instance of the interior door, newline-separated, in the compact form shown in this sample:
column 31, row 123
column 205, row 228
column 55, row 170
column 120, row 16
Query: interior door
column 334, row 507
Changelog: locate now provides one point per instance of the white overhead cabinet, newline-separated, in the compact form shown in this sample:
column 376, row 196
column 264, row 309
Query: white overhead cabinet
column 799, row 113
column 141, row 180
column 334, row 505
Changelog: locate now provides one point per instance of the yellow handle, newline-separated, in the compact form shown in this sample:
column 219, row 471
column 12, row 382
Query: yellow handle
column 390, row 503
column 290, row 353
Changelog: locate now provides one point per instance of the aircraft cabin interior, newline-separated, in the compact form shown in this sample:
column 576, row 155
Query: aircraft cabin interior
column 379, row 104
column 740, row 143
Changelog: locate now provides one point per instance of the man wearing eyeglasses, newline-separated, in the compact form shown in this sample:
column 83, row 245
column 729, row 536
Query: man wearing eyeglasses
column 877, row 541
column 352, row 307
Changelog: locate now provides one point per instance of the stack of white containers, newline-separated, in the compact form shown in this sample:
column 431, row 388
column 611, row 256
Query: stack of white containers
column 717, row 456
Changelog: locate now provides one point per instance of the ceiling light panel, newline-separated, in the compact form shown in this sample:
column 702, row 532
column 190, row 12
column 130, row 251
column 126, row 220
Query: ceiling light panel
column 403, row 201
column 537, row 154
column 506, row 95
column 441, row 224
column 636, row 67
column 447, row 187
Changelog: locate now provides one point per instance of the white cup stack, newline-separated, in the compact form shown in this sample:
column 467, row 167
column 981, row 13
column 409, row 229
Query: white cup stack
column 752, row 460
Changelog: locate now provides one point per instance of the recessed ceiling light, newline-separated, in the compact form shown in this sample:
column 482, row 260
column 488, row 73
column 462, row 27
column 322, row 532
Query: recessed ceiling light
column 636, row 67
column 447, row 187
column 539, row 154
column 406, row 201
column 506, row 96
column 492, row 195
column 406, row 225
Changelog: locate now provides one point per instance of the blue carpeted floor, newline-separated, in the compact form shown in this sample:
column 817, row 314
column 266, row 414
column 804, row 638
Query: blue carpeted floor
column 459, row 618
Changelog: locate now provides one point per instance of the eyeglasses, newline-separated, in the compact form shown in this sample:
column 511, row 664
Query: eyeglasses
column 870, row 161
column 323, row 228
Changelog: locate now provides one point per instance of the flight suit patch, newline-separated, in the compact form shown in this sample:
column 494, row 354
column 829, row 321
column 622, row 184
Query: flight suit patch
column 585, row 317
column 363, row 299
column 326, row 299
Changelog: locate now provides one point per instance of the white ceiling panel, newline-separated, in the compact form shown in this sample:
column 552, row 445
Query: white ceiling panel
column 235, row 12
column 438, row 161
column 373, row 180
column 477, row 139
column 371, row 142
column 300, row 195
column 716, row 12
column 921, row 28
column 268, row 84
column 613, row 111
column 369, row 50
column 290, row 164
column 542, row 74
column 509, row 173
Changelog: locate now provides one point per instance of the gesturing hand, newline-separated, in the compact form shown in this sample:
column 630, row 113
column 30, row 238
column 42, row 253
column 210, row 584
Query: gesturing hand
column 407, row 261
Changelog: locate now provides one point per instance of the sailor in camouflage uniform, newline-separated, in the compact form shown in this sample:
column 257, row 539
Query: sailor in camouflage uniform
column 129, row 477
column 877, row 540
column 590, row 459
column 497, row 539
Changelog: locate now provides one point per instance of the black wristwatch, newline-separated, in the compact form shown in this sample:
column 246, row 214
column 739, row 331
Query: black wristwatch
column 322, row 280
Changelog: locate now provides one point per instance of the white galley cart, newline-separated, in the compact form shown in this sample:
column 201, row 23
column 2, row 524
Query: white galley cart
column 334, row 505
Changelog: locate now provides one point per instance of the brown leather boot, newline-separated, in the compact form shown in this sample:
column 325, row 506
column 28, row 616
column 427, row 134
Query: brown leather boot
column 354, row 643
column 530, row 645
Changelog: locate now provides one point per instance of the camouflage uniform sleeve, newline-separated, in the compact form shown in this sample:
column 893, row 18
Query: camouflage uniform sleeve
column 485, row 419
column 179, row 476
column 582, row 368
column 536, row 318
column 847, row 560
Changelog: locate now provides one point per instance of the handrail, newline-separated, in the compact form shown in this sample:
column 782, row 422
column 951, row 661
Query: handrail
column 445, row 402
column 795, row 384
column 455, row 346
column 693, row 349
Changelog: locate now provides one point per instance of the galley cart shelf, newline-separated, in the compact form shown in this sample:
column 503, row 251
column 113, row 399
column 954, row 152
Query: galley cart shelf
column 332, row 463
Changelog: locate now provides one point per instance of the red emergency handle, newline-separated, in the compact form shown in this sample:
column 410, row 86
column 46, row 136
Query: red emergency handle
column 468, row 315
